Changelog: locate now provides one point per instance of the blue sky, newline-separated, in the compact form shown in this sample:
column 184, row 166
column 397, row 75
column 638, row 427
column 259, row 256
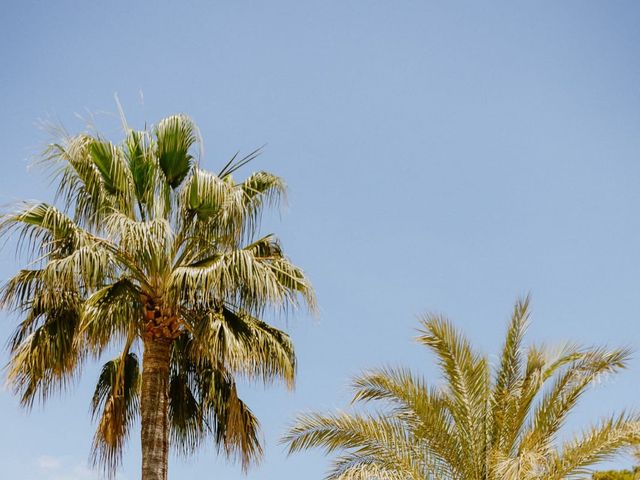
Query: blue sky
column 441, row 156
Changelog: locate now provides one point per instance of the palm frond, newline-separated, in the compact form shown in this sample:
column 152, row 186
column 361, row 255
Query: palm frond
column 388, row 440
column 254, row 277
column 143, row 169
column 509, row 380
column 204, row 402
column 425, row 409
column 109, row 314
column 467, row 378
column 597, row 444
column 175, row 135
column 367, row 467
column 218, row 207
column 565, row 392
column 260, row 189
column 116, row 405
column 111, row 163
column 45, row 357
column 189, row 426
column 243, row 344
column 80, row 183
column 45, row 230
column 146, row 245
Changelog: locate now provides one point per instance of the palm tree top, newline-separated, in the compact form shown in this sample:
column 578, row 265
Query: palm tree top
column 483, row 423
column 148, row 248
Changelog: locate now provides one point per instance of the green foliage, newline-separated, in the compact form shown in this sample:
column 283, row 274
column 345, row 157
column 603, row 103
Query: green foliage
column 142, row 229
column 617, row 474
column 482, row 423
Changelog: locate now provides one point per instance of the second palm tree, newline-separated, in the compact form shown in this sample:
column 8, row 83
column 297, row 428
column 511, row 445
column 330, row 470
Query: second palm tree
column 476, row 427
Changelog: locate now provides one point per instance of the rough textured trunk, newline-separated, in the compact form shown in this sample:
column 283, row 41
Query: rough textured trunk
column 155, row 409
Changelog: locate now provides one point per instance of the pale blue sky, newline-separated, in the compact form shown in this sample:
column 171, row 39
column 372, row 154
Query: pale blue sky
column 443, row 156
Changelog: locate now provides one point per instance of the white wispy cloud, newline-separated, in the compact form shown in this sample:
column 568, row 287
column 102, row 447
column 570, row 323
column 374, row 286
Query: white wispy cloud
column 65, row 468
column 76, row 472
column 47, row 462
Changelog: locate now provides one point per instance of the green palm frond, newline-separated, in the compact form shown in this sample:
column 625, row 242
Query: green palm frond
column 204, row 402
column 243, row 344
column 598, row 443
column 44, row 357
column 426, row 410
column 255, row 276
column 142, row 165
column 387, row 440
column 559, row 400
column 109, row 314
column 509, row 382
column 332, row 432
column 44, row 230
column 116, row 175
column 208, row 196
column 468, row 380
column 175, row 136
column 149, row 182
column 81, row 184
column 224, row 208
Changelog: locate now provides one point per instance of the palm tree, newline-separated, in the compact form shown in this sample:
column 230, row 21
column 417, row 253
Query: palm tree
column 150, row 252
column 477, row 426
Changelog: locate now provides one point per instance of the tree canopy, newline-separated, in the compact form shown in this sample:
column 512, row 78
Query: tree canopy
column 147, row 251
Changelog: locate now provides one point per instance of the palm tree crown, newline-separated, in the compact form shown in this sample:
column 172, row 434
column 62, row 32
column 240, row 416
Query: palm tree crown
column 149, row 250
column 479, row 426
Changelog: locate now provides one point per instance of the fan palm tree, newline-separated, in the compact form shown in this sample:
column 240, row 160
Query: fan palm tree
column 477, row 426
column 150, row 252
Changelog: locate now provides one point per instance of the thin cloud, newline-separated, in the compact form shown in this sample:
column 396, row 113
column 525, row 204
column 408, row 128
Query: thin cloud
column 59, row 468
column 48, row 462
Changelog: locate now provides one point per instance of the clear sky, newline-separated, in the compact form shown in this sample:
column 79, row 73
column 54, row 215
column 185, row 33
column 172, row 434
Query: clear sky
column 441, row 156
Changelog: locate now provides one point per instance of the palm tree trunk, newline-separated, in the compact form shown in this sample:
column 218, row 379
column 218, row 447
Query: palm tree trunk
column 154, row 403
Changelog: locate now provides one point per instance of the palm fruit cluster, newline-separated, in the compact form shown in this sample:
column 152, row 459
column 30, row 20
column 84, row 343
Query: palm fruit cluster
column 158, row 325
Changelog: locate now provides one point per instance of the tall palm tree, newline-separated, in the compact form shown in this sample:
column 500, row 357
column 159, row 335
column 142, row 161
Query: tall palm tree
column 478, row 425
column 150, row 252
